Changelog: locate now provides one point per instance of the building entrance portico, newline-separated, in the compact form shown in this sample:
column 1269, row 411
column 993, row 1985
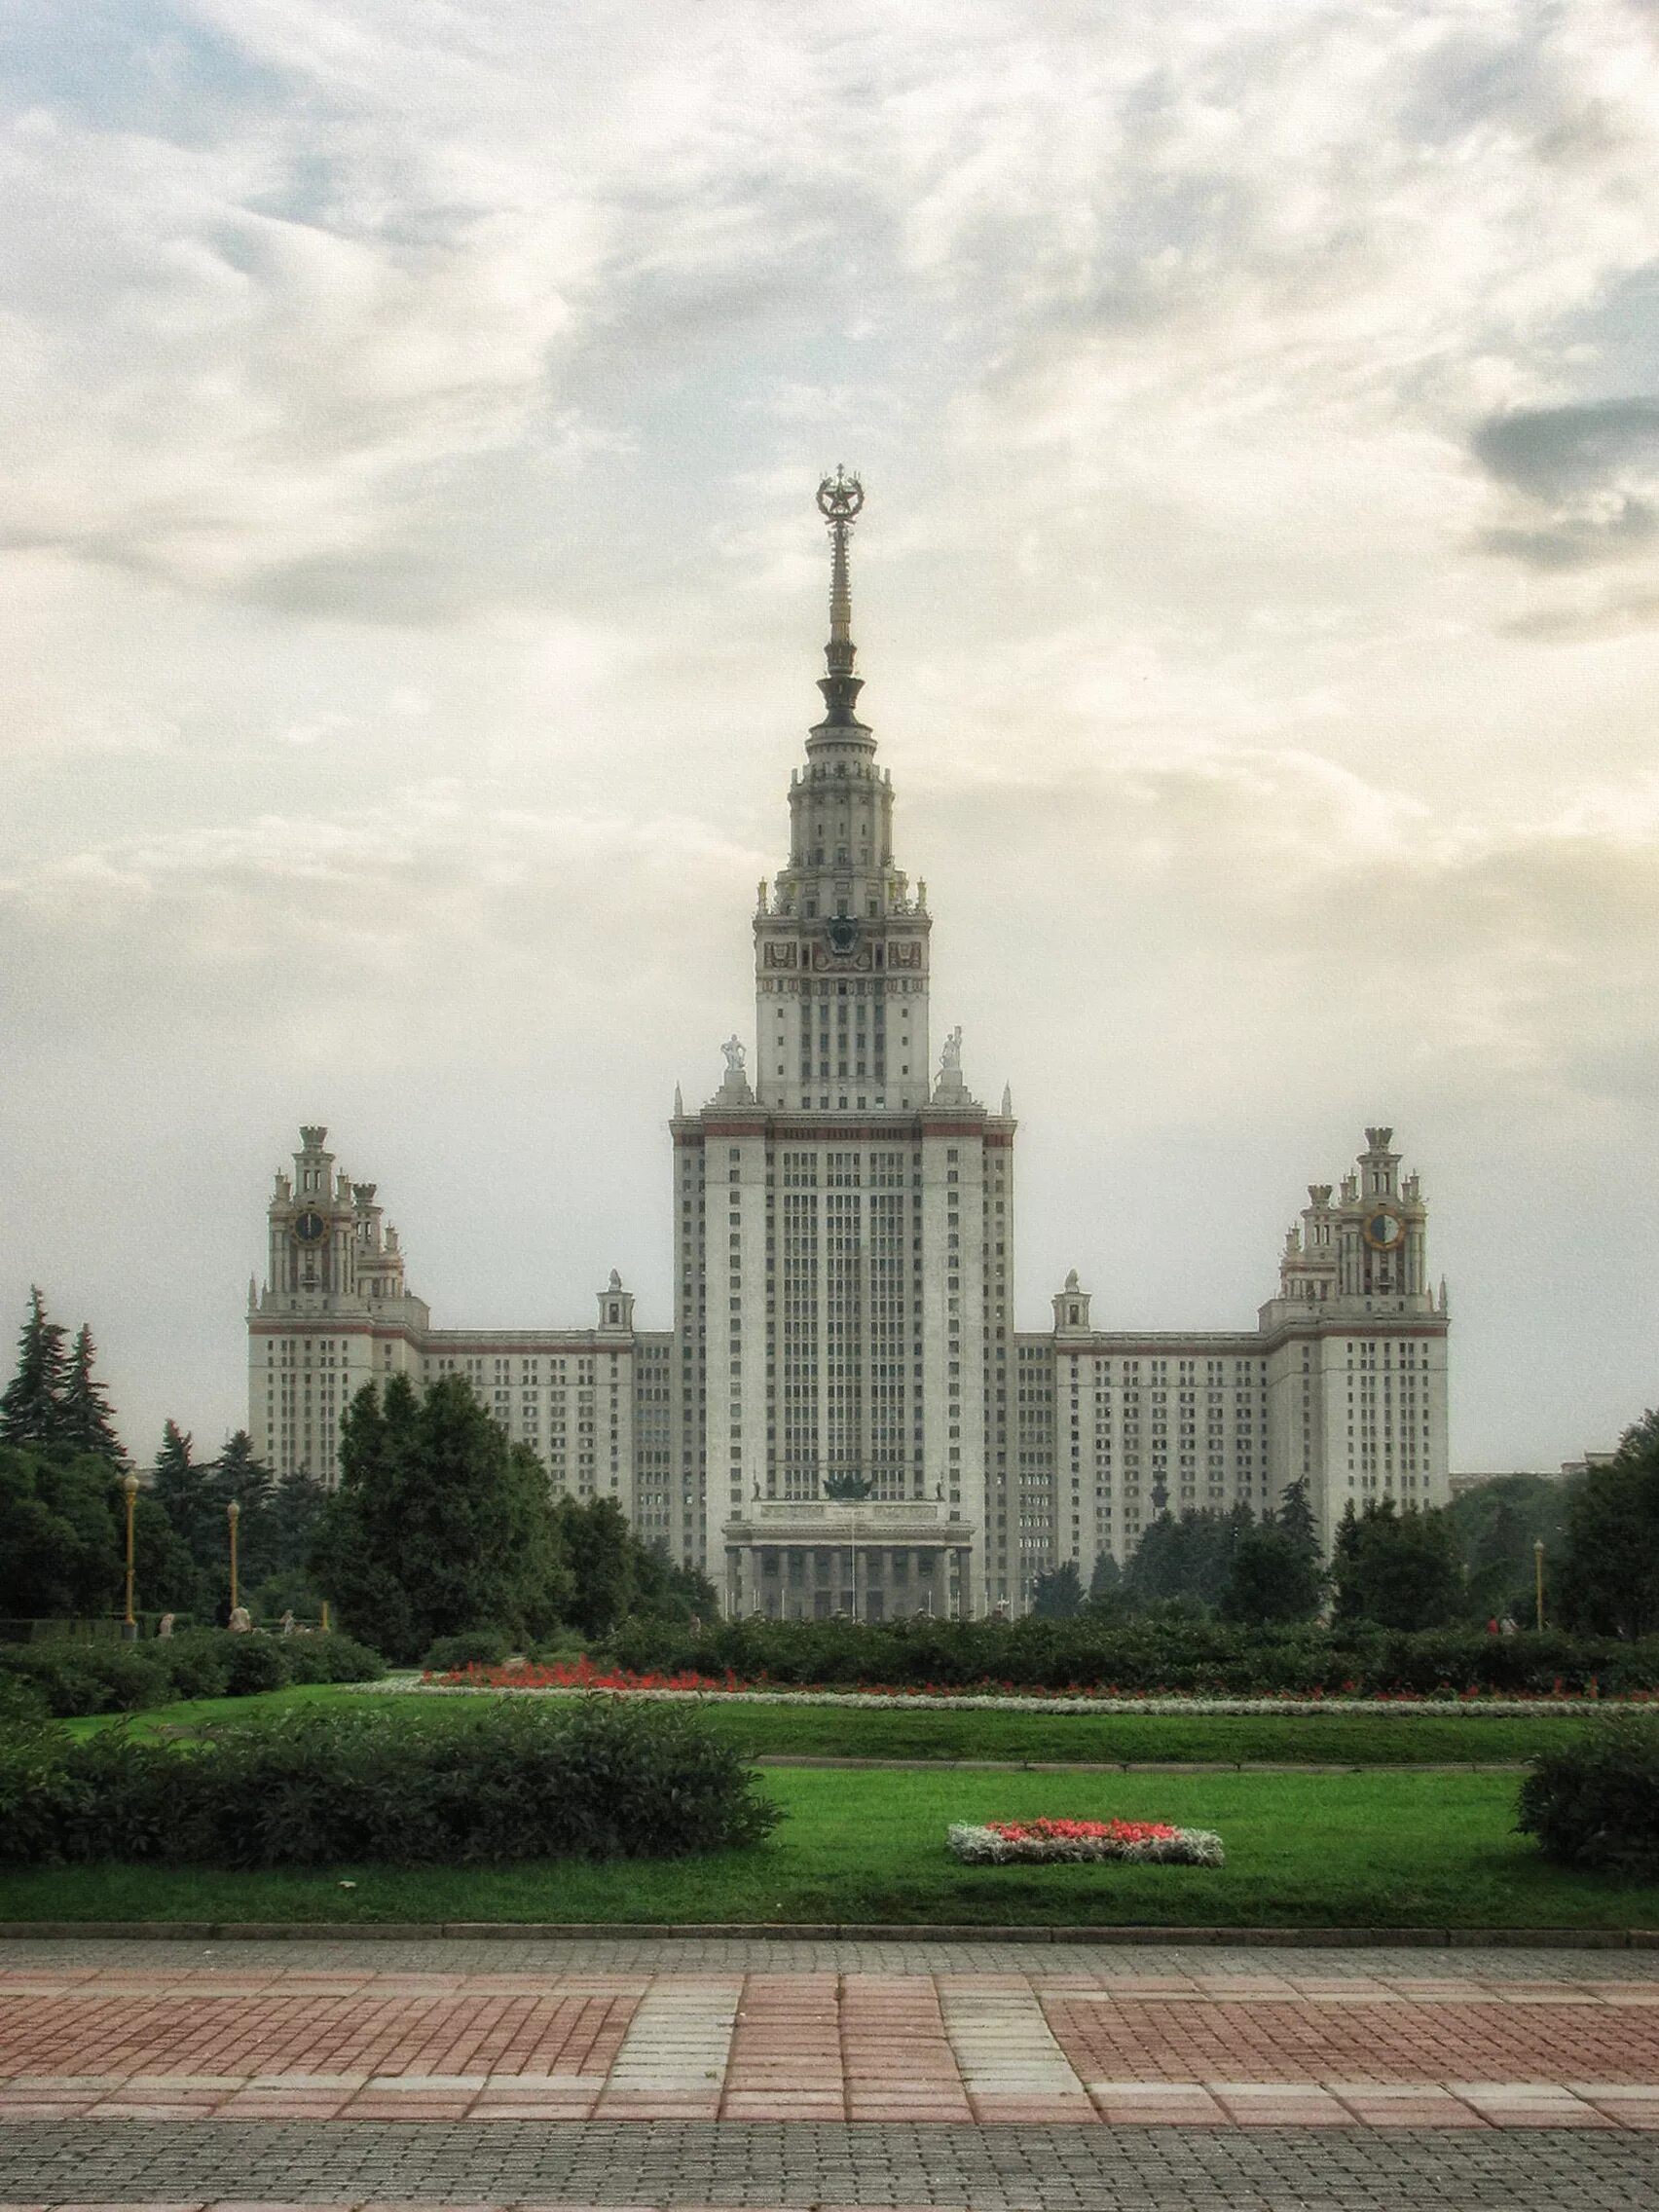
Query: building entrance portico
column 803, row 1559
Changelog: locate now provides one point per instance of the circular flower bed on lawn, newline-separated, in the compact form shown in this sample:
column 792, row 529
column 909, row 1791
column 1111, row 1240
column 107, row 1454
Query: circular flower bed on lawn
column 1002, row 1843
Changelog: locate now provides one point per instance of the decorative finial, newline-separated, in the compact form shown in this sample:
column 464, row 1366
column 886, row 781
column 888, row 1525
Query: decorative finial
column 839, row 499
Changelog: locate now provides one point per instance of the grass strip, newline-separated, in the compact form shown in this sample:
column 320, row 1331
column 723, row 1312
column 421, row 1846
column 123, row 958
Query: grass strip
column 1388, row 1737
column 1324, row 1850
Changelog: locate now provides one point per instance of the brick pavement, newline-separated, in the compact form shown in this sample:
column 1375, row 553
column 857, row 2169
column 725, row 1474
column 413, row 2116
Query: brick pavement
column 906, row 2074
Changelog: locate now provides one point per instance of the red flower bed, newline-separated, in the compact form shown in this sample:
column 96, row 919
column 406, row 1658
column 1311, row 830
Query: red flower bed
column 582, row 1674
column 1083, row 1832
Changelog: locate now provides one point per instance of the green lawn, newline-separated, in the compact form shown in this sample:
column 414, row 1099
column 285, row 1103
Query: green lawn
column 1326, row 1850
column 1388, row 1737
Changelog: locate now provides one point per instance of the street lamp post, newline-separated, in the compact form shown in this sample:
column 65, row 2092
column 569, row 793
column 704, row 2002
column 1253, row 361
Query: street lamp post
column 232, row 1514
column 130, row 1626
column 1538, row 1576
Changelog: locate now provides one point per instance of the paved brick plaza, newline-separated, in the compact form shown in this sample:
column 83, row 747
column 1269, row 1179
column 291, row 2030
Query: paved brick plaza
column 715, row 2073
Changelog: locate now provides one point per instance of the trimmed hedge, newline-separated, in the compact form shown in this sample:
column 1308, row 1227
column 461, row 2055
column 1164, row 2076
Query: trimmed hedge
column 74, row 1679
column 1203, row 1657
column 1595, row 1802
column 317, row 1787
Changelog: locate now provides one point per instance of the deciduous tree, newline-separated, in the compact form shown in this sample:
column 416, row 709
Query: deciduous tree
column 61, row 1539
column 1273, row 1577
column 1610, row 1576
column 603, row 1562
column 1397, row 1570
column 439, row 1524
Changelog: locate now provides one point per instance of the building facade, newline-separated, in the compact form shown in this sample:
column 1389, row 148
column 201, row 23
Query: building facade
column 844, row 1417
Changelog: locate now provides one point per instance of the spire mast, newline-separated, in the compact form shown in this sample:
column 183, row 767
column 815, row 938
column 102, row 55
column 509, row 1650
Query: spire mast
column 839, row 499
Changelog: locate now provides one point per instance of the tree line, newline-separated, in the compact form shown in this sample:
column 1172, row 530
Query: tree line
column 62, row 1537
column 439, row 1526
column 1404, row 1568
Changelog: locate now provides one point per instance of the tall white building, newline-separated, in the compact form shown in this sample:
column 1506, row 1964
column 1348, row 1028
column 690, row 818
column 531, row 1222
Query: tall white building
column 844, row 1417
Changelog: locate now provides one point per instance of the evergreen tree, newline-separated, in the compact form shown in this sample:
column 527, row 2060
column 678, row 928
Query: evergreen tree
column 237, row 1476
column 297, row 1500
column 439, row 1524
column 1399, row 1571
column 31, row 1406
column 1058, row 1593
column 1189, row 1558
column 1105, row 1579
column 1295, row 1517
column 184, row 1493
column 86, row 1424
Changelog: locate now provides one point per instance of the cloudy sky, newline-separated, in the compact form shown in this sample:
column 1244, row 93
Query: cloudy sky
column 412, row 599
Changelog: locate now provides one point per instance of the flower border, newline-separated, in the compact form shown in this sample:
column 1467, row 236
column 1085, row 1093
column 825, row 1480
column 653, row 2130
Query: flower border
column 579, row 1677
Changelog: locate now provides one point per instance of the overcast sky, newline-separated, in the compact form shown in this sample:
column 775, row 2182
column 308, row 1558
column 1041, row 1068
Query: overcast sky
column 411, row 598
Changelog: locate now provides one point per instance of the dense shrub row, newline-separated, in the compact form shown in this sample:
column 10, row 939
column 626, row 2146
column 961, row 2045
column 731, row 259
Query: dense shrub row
column 128, row 1678
column 315, row 1786
column 1147, row 1653
column 1595, row 1802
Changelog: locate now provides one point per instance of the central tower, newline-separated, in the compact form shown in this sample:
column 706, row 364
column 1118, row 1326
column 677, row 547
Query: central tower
column 846, row 1227
column 840, row 946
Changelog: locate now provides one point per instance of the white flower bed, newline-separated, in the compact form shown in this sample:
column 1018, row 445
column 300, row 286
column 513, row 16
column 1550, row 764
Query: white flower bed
column 1002, row 1843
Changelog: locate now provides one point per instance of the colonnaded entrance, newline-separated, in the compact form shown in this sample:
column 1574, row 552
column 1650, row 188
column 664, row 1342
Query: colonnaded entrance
column 877, row 1560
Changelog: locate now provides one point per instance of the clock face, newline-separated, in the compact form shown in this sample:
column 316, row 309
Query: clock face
column 310, row 1227
column 1383, row 1230
column 843, row 935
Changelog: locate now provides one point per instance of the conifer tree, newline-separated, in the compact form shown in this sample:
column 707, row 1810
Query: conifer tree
column 1295, row 1517
column 297, row 1500
column 1105, row 1578
column 1056, row 1595
column 88, row 1424
column 31, row 1406
column 237, row 1476
column 180, row 1489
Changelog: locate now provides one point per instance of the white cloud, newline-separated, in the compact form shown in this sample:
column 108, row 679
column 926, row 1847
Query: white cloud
column 412, row 595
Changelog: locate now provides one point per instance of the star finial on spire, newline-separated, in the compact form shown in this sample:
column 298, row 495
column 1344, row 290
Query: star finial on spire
column 839, row 499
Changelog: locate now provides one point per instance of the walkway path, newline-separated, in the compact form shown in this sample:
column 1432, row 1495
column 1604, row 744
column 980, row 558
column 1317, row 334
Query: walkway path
column 721, row 2073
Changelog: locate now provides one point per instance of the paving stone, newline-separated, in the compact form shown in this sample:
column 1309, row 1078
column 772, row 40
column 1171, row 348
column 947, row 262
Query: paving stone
column 1093, row 2169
